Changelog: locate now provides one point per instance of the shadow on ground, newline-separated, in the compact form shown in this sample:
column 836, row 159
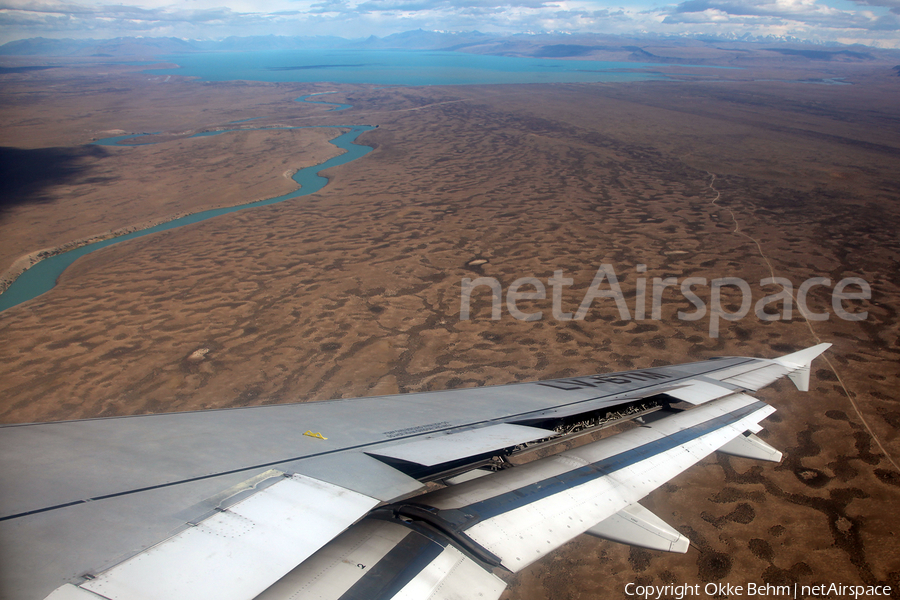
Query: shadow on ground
column 26, row 174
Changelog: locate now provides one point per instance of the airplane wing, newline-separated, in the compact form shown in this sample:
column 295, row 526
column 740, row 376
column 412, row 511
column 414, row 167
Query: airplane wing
column 329, row 500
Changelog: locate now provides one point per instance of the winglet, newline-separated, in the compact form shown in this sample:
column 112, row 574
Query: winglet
column 799, row 363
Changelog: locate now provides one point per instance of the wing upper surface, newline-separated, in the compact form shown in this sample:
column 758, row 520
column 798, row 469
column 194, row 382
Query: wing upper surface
column 238, row 552
column 116, row 488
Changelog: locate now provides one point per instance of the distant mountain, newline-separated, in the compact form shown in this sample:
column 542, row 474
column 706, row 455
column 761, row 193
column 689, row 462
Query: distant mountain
column 646, row 48
column 118, row 47
column 270, row 42
column 5, row 70
column 566, row 50
column 419, row 39
column 824, row 54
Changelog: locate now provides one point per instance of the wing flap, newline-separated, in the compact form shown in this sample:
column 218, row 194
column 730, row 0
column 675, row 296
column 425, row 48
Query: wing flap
column 637, row 526
column 359, row 472
column 437, row 449
column 699, row 392
column 383, row 560
column 72, row 592
column 239, row 551
column 750, row 446
column 539, row 506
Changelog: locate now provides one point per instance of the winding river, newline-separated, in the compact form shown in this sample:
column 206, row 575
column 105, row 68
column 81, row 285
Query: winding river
column 42, row 276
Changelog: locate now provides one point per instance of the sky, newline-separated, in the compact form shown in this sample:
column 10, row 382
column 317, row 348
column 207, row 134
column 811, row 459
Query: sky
column 869, row 22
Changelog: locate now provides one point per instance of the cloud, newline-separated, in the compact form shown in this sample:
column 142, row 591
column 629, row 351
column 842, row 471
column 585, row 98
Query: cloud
column 429, row 5
column 113, row 20
column 795, row 14
column 892, row 4
column 209, row 19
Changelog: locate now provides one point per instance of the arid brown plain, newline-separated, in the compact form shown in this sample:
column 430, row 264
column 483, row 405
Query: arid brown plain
column 356, row 289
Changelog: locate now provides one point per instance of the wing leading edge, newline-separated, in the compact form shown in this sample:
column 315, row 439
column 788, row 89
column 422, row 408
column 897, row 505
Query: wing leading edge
column 306, row 526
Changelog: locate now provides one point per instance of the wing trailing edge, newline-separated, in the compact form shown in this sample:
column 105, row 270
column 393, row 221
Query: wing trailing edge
column 750, row 446
column 238, row 551
column 699, row 391
column 384, row 560
column 72, row 592
column 636, row 526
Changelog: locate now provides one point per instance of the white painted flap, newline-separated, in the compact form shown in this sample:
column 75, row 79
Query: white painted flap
column 436, row 449
column 452, row 576
column 238, row 552
column 385, row 560
column 698, row 392
column 637, row 526
column 521, row 523
column 750, row 446
column 71, row 592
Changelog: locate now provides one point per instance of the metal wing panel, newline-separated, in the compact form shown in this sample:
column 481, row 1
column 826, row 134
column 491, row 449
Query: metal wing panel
column 752, row 375
column 358, row 472
column 750, row 446
column 91, row 536
column 533, row 512
column 128, row 481
column 342, row 563
column 436, row 449
column 51, row 464
column 525, row 534
column 638, row 526
column 758, row 378
column 382, row 560
column 452, row 576
column 238, row 552
column 699, row 392
column 72, row 592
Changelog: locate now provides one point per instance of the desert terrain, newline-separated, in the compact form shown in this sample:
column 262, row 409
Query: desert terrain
column 356, row 289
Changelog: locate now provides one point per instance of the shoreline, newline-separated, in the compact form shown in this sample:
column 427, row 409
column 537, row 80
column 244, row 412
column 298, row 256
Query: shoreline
column 27, row 261
column 21, row 265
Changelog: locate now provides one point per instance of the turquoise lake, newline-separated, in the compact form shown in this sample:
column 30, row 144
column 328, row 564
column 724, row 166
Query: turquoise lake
column 398, row 67
column 379, row 67
column 42, row 276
